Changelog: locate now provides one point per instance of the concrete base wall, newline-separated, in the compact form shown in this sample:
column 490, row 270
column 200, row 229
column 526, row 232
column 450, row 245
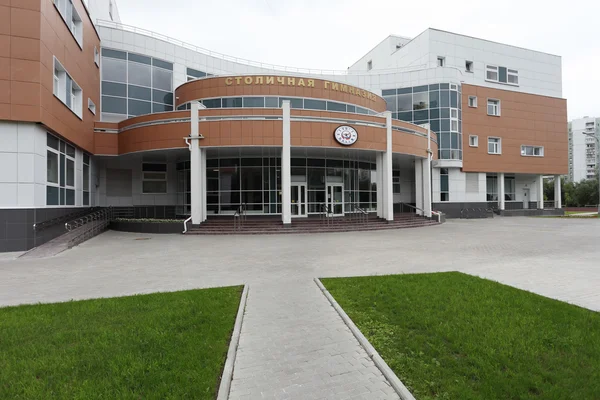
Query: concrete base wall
column 453, row 210
column 16, row 226
column 532, row 213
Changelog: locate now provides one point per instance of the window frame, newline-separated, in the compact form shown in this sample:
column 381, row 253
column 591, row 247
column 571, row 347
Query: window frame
column 498, row 145
column 476, row 142
column 524, row 148
column 469, row 66
column 62, row 169
column 164, row 179
column 91, row 106
column 75, row 25
column 76, row 106
column 446, row 192
column 497, row 106
column 474, row 98
column 493, row 69
column 441, row 61
column 514, row 73
column 83, row 188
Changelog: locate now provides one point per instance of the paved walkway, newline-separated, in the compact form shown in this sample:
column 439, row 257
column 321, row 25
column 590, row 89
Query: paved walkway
column 293, row 345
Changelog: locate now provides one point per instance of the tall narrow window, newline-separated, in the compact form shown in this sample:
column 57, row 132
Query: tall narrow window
column 473, row 101
column 494, row 145
column 60, row 172
column 369, row 65
column 441, row 61
column 444, row 185
column 86, row 179
column 493, row 107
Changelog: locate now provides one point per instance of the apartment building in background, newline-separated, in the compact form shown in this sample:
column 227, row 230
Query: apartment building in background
column 96, row 113
column 584, row 157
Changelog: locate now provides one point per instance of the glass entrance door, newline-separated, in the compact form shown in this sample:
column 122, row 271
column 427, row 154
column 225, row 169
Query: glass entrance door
column 335, row 199
column 299, row 208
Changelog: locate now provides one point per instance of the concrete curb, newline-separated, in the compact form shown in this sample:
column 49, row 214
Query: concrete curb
column 387, row 372
column 227, row 376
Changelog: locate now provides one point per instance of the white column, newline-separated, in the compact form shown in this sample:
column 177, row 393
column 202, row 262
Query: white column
column 419, row 185
column 286, row 189
column 557, row 192
column 540, row 190
column 203, row 182
column 388, row 187
column 501, row 190
column 379, row 167
column 426, row 167
column 427, row 176
column 195, row 166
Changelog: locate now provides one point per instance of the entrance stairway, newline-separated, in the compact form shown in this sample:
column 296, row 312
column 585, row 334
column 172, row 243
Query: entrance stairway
column 272, row 225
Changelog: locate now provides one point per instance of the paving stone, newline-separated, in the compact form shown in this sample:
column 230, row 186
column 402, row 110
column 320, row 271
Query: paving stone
column 293, row 344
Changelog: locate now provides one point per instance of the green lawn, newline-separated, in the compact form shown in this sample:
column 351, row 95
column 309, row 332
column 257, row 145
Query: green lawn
column 454, row 336
column 157, row 346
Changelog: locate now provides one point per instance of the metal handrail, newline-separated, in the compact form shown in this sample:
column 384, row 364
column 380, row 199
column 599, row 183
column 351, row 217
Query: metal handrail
column 359, row 214
column 325, row 213
column 185, row 229
column 92, row 225
column 239, row 217
column 55, row 221
column 438, row 214
column 265, row 66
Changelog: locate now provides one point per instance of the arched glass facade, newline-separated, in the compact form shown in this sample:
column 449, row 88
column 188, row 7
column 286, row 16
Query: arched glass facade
column 276, row 102
column 256, row 182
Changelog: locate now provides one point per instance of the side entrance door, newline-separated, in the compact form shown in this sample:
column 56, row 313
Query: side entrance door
column 298, row 200
column 335, row 199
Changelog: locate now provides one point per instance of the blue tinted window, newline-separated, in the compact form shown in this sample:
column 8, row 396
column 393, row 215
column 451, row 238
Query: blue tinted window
column 434, row 87
column 334, row 106
column 254, row 101
column 434, row 113
column 351, row 109
column 453, row 99
column 212, row 103
column 114, row 89
column 140, row 59
column 421, row 115
column 195, row 73
column 310, row 104
column 434, row 99
column 294, row 102
column 162, row 64
column 404, row 90
column 158, row 107
column 114, row 105
column 405, row 116
column 423, row 88
column 140, row 93
column 387, row 92
column 114, row 54
column 444, row 86
column 232, row 102
column 445, row 98
column 271, row 102
column 137, row 107
column 162, row 97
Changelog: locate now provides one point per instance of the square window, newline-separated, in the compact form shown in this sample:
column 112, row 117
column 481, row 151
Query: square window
column 493, row 107
column 441, row 61
column 469, row 66
column 473, row 140
column 473, row 101
column 491, row 73
column 494, row 146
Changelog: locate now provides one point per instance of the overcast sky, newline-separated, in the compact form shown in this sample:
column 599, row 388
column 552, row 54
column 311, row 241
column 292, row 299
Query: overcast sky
column 333, row 34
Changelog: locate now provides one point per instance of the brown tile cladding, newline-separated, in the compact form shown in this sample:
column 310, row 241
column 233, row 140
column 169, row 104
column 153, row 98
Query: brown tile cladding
column 525, row 119
column 216, row 87
column 253, row 132
column 32, row 32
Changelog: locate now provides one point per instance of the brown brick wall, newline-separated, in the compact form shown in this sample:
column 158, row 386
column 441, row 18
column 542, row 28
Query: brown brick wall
column 31, row 33
column 525, row 119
